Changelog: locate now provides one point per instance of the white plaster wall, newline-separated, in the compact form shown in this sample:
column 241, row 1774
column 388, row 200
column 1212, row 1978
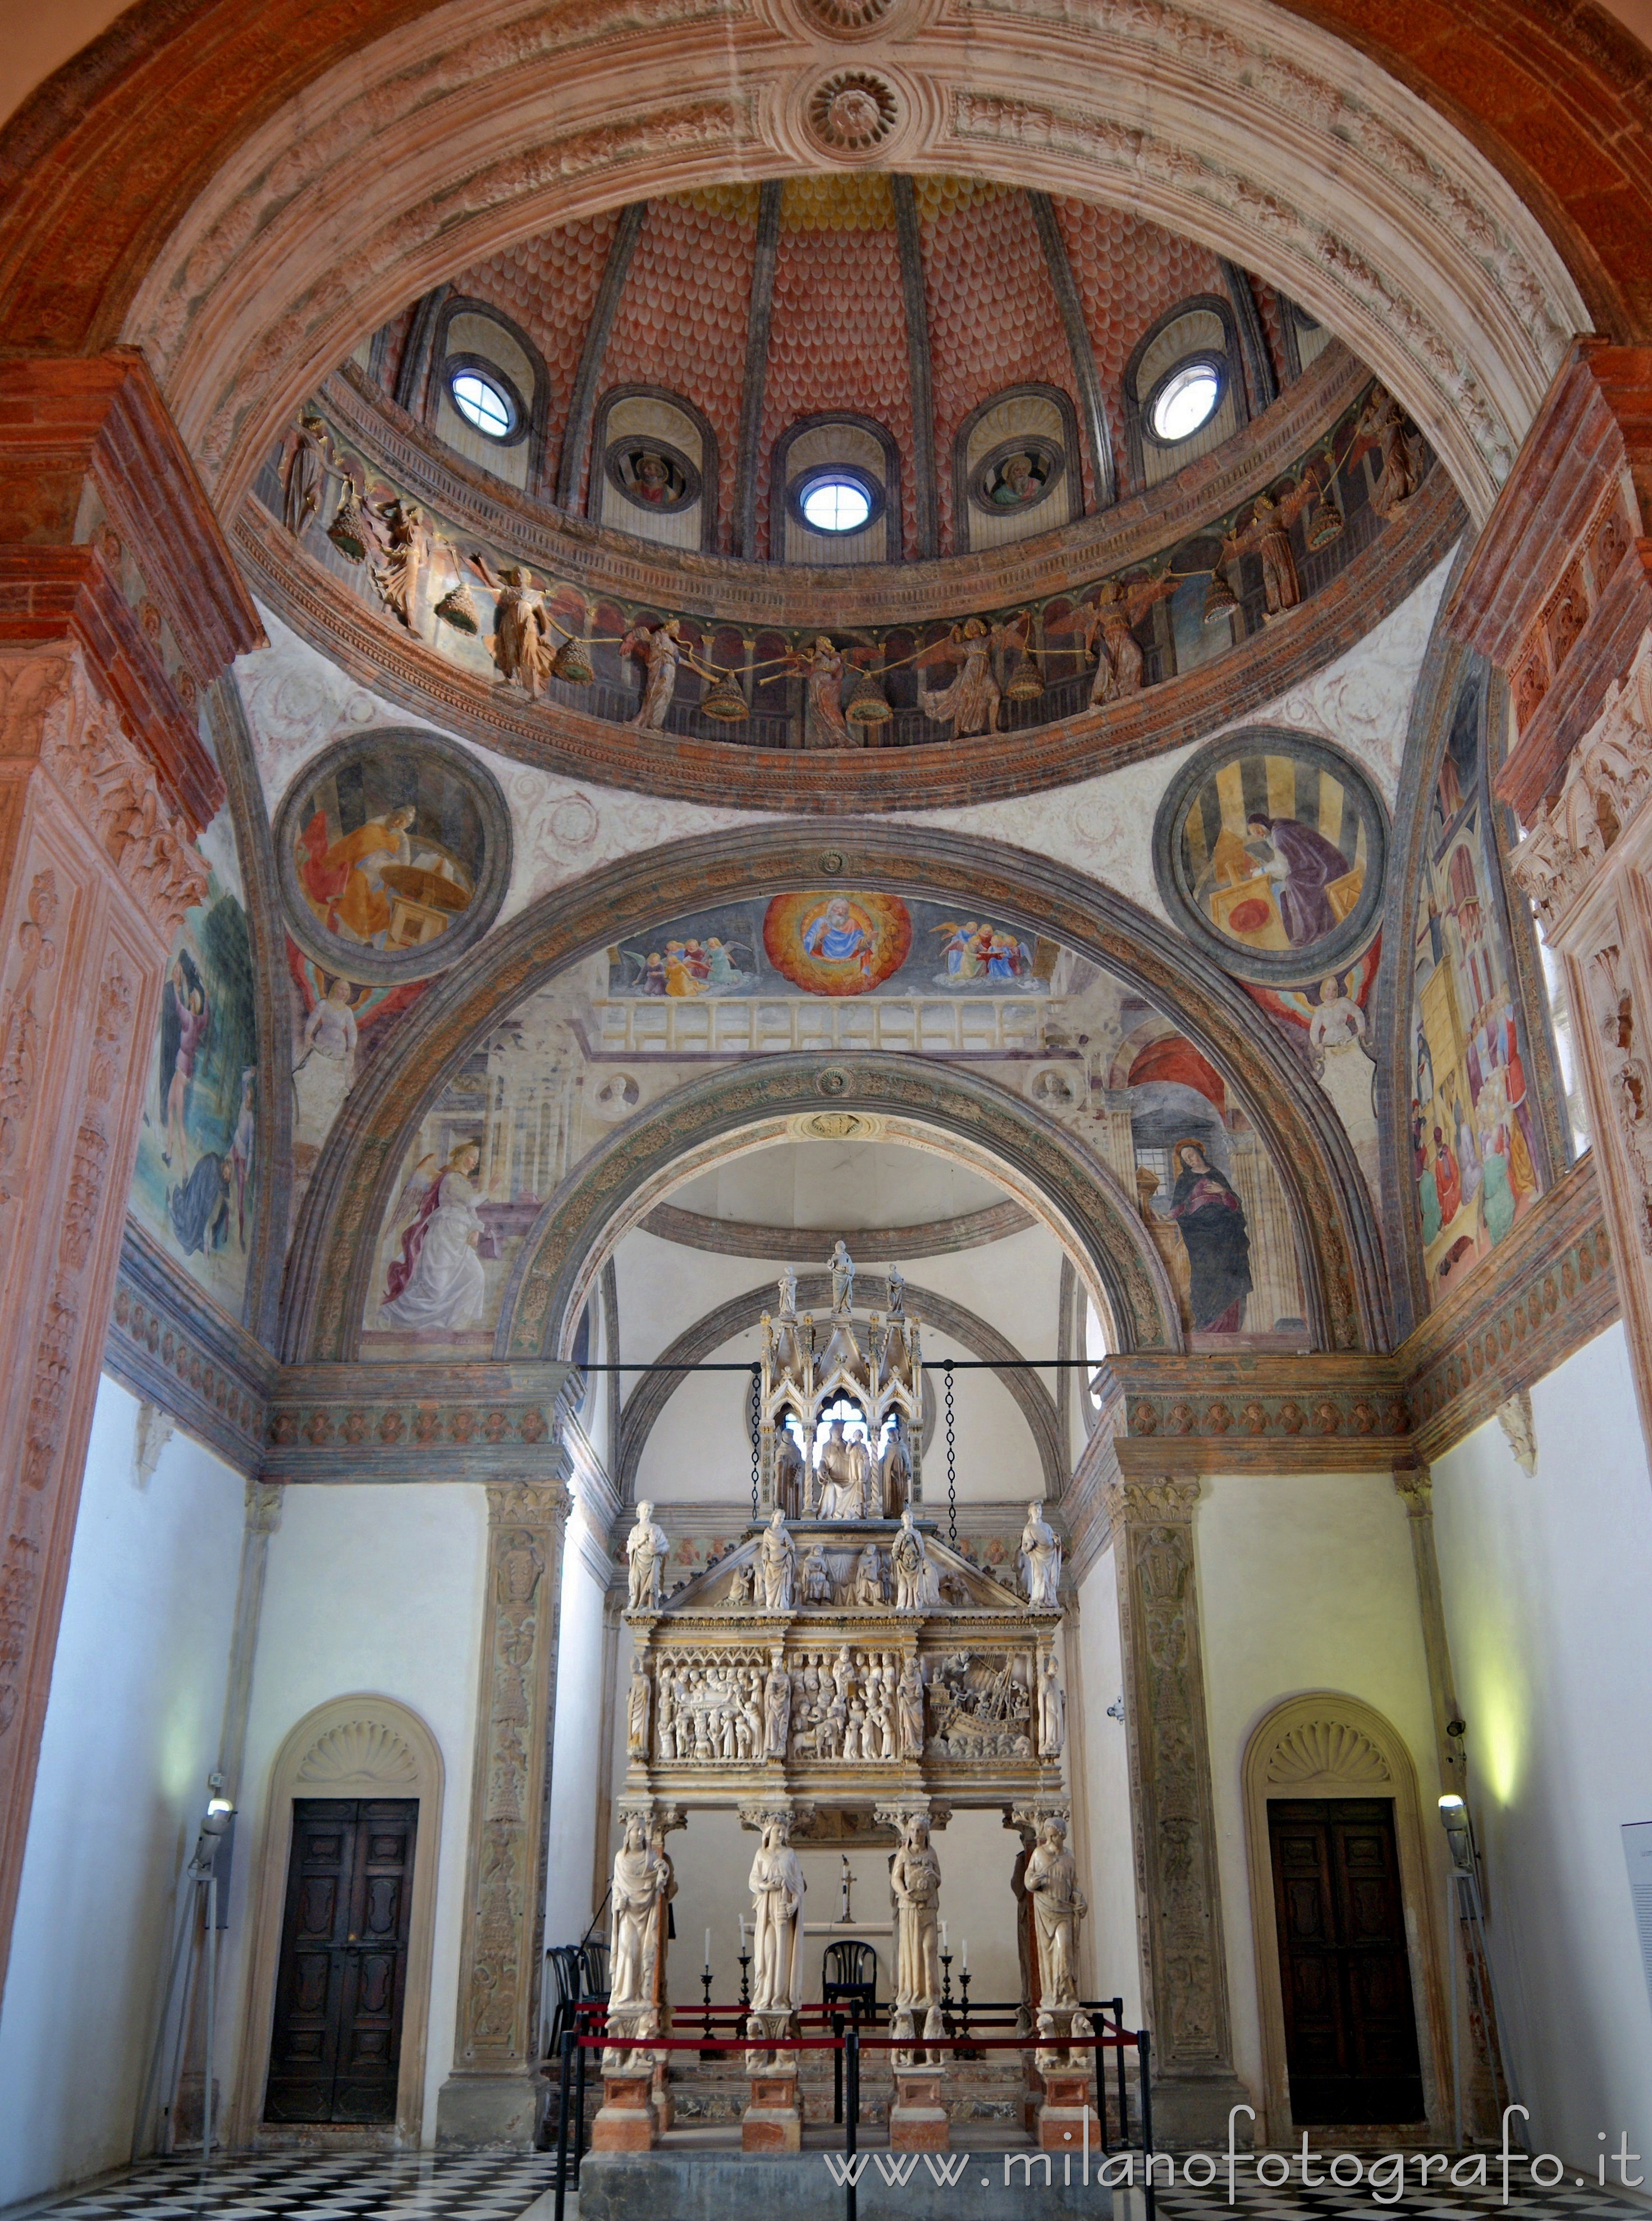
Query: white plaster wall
column 131, row 1734
column 576, row 1748
column 1305, row 1582
column 1546, row 1579
column 1101, row 1778
column 372, row 1588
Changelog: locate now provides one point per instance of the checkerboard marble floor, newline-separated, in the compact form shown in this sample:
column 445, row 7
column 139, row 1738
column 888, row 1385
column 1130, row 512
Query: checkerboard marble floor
column 1292, row 2201
column 313, row 2187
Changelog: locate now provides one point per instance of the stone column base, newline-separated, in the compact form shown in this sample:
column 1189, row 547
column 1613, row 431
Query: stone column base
column 1194, row 2109
column 1066, row 2116
column 488, row 2113
column 917, row 2120
column 773, row 2121
column 625, row 2120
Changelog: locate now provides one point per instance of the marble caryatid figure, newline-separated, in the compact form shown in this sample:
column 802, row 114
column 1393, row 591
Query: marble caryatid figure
column 640, row 1875
column 776, row 1885
column 1051, row 1881
column 915, row 1878
column 1040, row 1561
column 910, row 1561
column 777, row 1558
column 645, row 1549
column 1052, row 1711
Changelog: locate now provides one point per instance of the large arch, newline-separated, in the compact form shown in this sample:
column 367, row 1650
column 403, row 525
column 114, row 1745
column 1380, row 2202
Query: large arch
column 288, row 209
column 646, row 1404
column 1340, row 1246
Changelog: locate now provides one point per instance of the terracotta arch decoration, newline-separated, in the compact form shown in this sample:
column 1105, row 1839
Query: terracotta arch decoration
column 1527, row 152
column 1338, row 1241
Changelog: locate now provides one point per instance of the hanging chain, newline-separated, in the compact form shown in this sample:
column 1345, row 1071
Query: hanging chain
column 952, row 1463
column 757, row 1430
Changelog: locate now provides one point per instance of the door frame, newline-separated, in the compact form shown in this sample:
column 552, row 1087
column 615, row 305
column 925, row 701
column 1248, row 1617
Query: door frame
column 362, row 1746
column 1327, row 1744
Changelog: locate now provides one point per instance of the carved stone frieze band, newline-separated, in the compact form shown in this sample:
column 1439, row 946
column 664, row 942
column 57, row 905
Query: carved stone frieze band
column 172, row 1347
column 413, row 1422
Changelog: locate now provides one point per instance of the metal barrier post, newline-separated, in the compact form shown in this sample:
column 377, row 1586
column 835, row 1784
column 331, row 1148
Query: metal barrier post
column 579, row 2101
column 837, row 2071
column 1143, row 2053
column 1123, row 2100
column 562, row 2121
column 852, row 2126
column 1101, row 2088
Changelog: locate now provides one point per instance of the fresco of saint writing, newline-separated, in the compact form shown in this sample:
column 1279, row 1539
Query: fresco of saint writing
column 395, row 853
column 191, row 1186
column 1477, row 1158
column 1269, row 850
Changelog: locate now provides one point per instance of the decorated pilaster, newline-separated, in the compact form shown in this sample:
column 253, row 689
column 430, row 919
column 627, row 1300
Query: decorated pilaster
column 1558, row 593
column 1178, row 1893
column 118, row 603
column 493, row 2094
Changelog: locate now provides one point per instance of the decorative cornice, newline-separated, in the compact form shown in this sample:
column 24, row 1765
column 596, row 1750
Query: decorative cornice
column 1551, row 1287
column 170, row 1345
column 873, row 1245
column 435, row 1421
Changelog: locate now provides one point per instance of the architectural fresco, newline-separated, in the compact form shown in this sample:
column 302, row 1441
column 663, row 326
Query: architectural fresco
column 191, row 1186
column 1270, row 849
column 1476, row 1157
column 617, row 1033
column 393, row 850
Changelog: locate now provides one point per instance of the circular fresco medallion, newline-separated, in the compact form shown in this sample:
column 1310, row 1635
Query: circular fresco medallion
column 836, row 942
column 1018, row 474
column 394, row 853
column 1269, row 850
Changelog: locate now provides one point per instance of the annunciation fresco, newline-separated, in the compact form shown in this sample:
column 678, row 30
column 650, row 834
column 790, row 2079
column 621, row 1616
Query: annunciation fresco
column 191, row 1184
column 832, row 969
column 1475, row 1153
column 394, row 854
column 1270, row 849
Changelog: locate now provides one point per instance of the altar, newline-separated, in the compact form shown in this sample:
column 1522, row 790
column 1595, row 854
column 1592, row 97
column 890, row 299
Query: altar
column 843, row 1658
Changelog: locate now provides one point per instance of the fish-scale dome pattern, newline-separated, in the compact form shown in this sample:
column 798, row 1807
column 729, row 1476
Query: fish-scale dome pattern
column 994, row 321
column 549, row 285
column 1128, row 272
column 681, row 322
column 838, row 341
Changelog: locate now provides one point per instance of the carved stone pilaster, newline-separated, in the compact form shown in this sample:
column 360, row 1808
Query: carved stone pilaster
column 1178, row 1889
column 492, row 2095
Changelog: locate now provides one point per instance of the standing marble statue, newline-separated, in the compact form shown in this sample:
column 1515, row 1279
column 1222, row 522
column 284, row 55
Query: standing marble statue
column 910, row 1707
column 788, row 1285
column 842, row 1270
column 645, row 1550
column 910, row 1561
column 1051, row 1882
column 776, row 1884
column 915, row 1878
column 777, row 1710
column 896, row 1286
column 638, row 1705
column 640, row 1875
column 1052, row 1711
column 778, row 1561
column 1040, row 1561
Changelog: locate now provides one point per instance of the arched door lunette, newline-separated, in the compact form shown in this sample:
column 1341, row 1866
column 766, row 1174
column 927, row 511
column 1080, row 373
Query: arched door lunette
column 1339, row 1244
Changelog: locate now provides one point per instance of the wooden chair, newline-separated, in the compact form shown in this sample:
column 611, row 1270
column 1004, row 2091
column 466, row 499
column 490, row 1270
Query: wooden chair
column 849, row 1972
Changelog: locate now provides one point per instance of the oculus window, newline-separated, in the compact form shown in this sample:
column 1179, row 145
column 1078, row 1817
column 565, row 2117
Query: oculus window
column 482, row 402
column 834, row 502
column 1186, row 399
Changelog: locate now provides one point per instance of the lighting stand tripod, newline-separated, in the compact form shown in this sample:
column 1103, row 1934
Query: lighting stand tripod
column 1464, row 1904
column 196, row 1931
